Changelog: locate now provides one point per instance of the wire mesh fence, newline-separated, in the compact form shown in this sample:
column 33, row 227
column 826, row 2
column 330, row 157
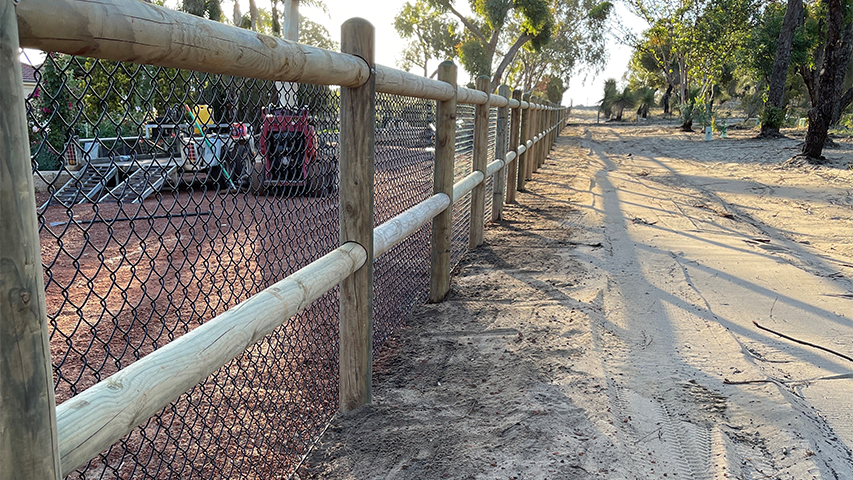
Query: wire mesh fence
column 180, row 194
column 462, row 166
column 169, row 197
column 489, row 183
column 405, row 158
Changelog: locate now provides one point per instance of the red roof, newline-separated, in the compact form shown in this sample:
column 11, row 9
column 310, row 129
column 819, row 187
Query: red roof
column 29, row 73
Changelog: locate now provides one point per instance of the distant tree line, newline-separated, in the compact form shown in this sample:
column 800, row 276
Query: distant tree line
column 534, row 45
column 774, row 56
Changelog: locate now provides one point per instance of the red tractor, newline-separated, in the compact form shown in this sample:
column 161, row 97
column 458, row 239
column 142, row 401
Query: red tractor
column 293, row 158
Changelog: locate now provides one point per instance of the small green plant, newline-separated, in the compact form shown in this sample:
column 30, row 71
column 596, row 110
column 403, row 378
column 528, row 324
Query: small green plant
column 720, row 122
column 773, row 116
column 702, row 116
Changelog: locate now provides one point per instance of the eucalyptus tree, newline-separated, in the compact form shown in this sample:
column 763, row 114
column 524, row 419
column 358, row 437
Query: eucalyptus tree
column 316, row 35
column 699, row 37
column 578, row 42
column 774, row 107
column 211, row 9
column 430, row 34
column 830, row 98
column 493, row 27
column 654, row 63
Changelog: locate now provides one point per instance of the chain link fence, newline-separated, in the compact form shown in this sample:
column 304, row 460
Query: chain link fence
column 169, row 196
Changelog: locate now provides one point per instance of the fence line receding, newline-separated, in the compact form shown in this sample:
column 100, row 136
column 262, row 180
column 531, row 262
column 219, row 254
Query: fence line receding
column 203, row 231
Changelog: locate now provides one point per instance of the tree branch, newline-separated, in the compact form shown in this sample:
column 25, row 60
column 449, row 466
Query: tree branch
column 470, row 26
column 803, row 342
column 509, row 57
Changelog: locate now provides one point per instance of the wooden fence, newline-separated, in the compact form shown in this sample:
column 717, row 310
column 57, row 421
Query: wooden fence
column 40, row 440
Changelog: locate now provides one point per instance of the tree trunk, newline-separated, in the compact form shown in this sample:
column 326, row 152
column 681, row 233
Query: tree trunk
column 276, row 24
column 665, row 99
column 253, row 15
column 836, row 56
column 776, row 94
column 809, row 75
column 508, row 58
column 809, row 79
column 238, row 17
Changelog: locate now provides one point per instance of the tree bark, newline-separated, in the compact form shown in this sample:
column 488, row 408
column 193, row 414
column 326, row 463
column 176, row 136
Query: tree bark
column 253, row 15
column 836, row 56
column 508, row 58
column 776, row 94
column 665, row 99
column 808, row 76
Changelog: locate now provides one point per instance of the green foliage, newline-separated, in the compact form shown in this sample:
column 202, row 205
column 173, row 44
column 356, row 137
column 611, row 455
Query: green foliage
column 690, row 45
column 616, row 100
column 211, row 9
column 645, row 97
column 554, row 89
column 773, row 117
column 625, row 98
column 474, row 56
column 601, row 11
column 760, row 51
column 53, row 115
column 577, row 41
column 316, row 35
column 508, row 24
column 693, row 109
column 430, row 35
column 117, row 96
column 610, row 93
column 720, row 122
column 537, row 21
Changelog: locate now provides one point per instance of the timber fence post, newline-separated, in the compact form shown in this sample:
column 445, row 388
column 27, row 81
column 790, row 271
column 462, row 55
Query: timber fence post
column 556, row 122
column 533, row 162
column 546, row 135
column 543, row 147
column 523, row 159
column 481, row 152
column 514, row 127
column 445, row 152
column 356, row 220
column 552, row 124
column 501, row 135
column 29, row 448
column 532, row 130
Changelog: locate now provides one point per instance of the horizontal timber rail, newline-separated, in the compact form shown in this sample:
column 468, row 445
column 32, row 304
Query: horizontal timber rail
column 96, row 418
column 91, row 421
column 134, row 31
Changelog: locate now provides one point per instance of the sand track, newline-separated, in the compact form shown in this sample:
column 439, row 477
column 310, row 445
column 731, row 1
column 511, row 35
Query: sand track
column 606, row 330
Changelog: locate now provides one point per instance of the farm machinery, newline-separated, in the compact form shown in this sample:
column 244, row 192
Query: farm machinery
column 295, row 159
column 130, row 169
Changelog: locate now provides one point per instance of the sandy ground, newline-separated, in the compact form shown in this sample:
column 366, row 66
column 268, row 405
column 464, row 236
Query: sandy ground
column 606, row 328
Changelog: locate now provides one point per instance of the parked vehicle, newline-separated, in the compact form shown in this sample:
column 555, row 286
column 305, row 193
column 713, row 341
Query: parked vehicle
column 294, row 158
column 225, row 152
column 79, row 152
